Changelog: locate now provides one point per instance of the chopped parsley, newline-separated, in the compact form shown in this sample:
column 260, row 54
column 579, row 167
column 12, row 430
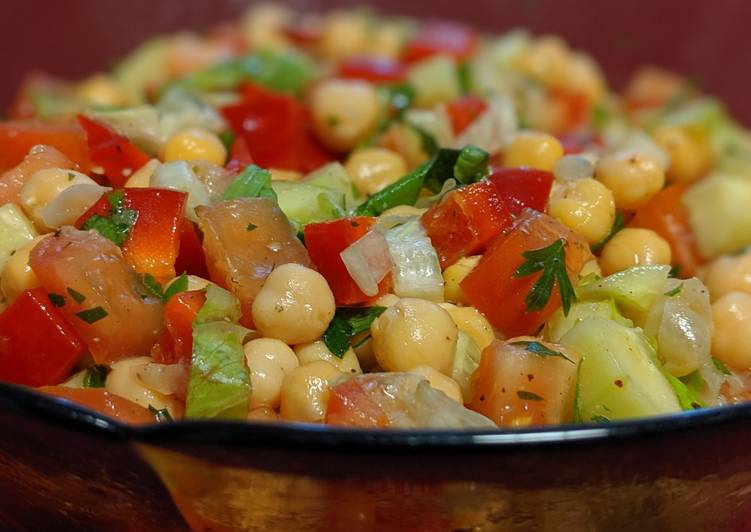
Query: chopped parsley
column 180, row 284
column 95, row 376
column 251, row 227
column 675, row 291
column 161, row 414
column 541, row 349
column 252, row 182
column 528, row 396
column 77, row 296
column 472, row 165
column 92, row 315
column 116, row 226
column 348, row 322
column 551, row 260
column 599, row 418
column 71, row 176
column 57, row 300
column 722, row 368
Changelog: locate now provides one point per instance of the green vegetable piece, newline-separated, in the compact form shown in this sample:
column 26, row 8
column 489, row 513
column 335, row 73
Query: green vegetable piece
column 117, row 225
column 675, row 291
column 687, row 389
column 472, row 165
column 220, row 305
column 219, row 383
column 618, row 224
column 92, row 315
column 304, row 203
column 551, row 260
column 528, row 396
column 541, row 350
column 178, row 285
column 95, row 376
column 152, row 285
column 722, row 368
column 57, row 300
column 253, row 182
column 349, row 322
column 558, row 324
column 598, row 418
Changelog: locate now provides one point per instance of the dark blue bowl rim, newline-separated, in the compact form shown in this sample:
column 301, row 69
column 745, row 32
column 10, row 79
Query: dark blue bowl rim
column 48, row 409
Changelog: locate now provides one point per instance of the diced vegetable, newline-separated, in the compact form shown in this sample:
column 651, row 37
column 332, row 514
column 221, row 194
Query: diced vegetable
column 39, row 158
column 494, row 128
column 466, row 361
column 18, row 137
column 559, row 324
column 305, row 203
column 523, row 381
column 373, row 69
column 521, row 188
column 113, row 313
column 334, row 177
column 368, row 261
column 618, row 377
column 252, row 182
column 240, row 259
column 434, row 80
column 464, row 111
column 176, row 344
column 103, row 402
column 439, row 37
column 191, row 258
column 178, row 175
column 140, row 124
column 416, row 268
column 143, row 69
column 16, row 230
column 39, row 347
column 239, row 155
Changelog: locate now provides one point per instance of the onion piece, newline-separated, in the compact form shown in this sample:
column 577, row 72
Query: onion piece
column 368, row 261
column 493, row 129
column 71, row 203
column 167, row 379
column 417, row 272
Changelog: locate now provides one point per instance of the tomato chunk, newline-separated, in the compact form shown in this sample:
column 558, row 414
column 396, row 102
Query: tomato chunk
column 464, row 111
column 176, row 344
column 17, row 137
column 39, row 158
column 440, row 37
column 239, row 155
column 465, row 221
column 522, row 188
column 191, row 258
column 115, row 154
column 104, row 301
column 492, row 288
column 373, row 69
column 37, row 345
column 665, row 215
column 100, row 400
column 154, row 241
column 352, row 404
column 515, row 387
column 325, row 241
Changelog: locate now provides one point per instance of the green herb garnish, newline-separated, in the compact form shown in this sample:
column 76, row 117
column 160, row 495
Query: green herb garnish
column 618, row 224
column 78, row 297
column 541, row 350
column 472, row 165
column 180, row 284
column 92, row 315
column 348, row 322
column 117, row 225
column 528, row 396
column 675, row 291
column 251, row 227
column 161, row 414
column 599, row 418
column 722, row 368
column 57, row 300
column 95, row 376
column 551, row 261
column 71, row 176
column 253, row 182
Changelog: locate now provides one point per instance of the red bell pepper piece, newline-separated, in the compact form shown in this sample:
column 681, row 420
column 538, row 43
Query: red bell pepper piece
column 239, row 155
column 325, row 241
column 304, row 33
column 100, row 400
column 17, row 137
column 439, row 37
column 492, row 288
column 117, row 156
column 191, row 258
column 154, row 241
column 522, row 188
column 464, row 111
column 465, row 221
column 373, row 69
column 176, row 343
column 37, row 345
column 276, row 128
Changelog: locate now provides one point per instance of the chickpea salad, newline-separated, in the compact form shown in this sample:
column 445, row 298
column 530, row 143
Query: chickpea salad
column 371, row 222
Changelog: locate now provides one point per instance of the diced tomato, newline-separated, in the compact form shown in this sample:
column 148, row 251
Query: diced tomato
column 522, row 188
column 373, row 69
column 191, row 258
column 17, row 137
column 439, row 37
column 351, row 404
column 39, row 158
column 577, row 141
column 239, row 155
column 492, row 288
column 464, row 111
column 104, row 300
column 465, row 221
column 115, row 154
column 304, row 33
column 576, row 107
column 176, row 344
column 516, row 387
column 100, row 400
column 37, row 345
column 276, row 128
column 665, row 215
column 325, row 241
column 154, row 241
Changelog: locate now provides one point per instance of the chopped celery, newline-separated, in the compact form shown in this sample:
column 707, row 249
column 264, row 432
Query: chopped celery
column 142, row 68
column 179, row 108
column 559, row 324
column 252, row 182
column 618, row 377
column 139, row 123
column 334, row 176
column 304, row 203
column 178, row 175
column 494, row 128
column 434, row 80
column 434, row 122
column 466, row 360
column 220, row 305
column 16, row 230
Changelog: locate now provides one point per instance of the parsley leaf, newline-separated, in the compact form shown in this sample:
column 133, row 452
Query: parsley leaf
column 95, row 376
column 161, row 414
column 56, row 299
column 541, row 349
column 472, row 165
column 722, row 368
column 118, row 224
column 251, row 227
column 348, row 322
column 77, row 296
column 551, row 260
column 253, row 182
column 528, row 396
column 92, row 315
column 675, row 291
column 152, row 285
column 178, row 285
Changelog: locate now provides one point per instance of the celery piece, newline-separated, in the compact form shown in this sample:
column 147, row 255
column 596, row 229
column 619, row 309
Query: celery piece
column 252, row 182
column 16, row 230
column 434, row 80
column 334, row 177
column 178, row 175
column 142, row 68
column 466, row 360
column 559, row 324
column 220, row 305
column 304, row 203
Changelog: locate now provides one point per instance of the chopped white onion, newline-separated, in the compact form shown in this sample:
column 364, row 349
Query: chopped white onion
column 368, row 261
column 178, row 175
column 494, row 128
column 417, row 272
column 167, row 379
column 71, row 203
column 573, row 167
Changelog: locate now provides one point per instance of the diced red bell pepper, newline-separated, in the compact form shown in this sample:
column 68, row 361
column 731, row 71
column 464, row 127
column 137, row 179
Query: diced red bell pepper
column 191, row 258
column 522, row 188
column 439, row 37
column 373, row 69
column 276, row 128
column 577, row 108
column 465, row 221
column 115, row 154
column 100, row 400
column 464, row 111
column 492, row 288
column 153, row 244
column 17, row 137
column 304, row 34
column 325, row 241
column 38, row 346
column 176, row 343
column 239, row 155
column 665, row 215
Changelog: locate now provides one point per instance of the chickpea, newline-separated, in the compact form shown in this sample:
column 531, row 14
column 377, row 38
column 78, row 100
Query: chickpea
column 412, row 333
column 533, row 149
column 263, row 413
column 387, row 41
column 690, row 156
column 728, row 274
column 17, row 276
column 312, row 351
column 123, row 381
column 546, row 60
column 731, row 342
column 263, row 27
column 440, row 382
column 583, row 77
column 469, row 320
column 44, row 186
column 266, row 377
column 344, row 112
column 141, row 178
column 364, row 351
column 387, row 300
column 294, row 305
column 305, row 392
column 633, row 247
column 274, row 350
column 102, row 90
column 633, row 178
column 194, row 143
column 345, row 34
column 586, row 207
column 454, row 275
column 373, row 169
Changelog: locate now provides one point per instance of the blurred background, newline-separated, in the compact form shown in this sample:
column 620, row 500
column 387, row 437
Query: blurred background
column 705, row 40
